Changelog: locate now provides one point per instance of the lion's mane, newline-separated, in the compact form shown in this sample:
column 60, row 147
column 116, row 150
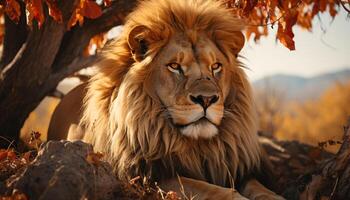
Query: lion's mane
column 125, row 122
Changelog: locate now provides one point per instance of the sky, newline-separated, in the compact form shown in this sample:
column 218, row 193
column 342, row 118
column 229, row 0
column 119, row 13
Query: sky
column 326, row 48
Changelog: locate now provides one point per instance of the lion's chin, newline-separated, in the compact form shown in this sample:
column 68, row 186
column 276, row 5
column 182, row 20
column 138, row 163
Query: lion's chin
column 203, row 129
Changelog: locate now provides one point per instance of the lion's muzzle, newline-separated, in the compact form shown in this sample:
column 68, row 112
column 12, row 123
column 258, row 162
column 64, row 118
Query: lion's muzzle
column 204, row 101
column 204, row 111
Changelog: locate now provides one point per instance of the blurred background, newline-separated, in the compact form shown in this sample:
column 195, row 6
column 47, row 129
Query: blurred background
column 300, row 95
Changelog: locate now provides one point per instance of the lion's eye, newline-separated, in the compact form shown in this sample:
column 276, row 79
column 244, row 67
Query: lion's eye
column 216, row 67
column 174, row 67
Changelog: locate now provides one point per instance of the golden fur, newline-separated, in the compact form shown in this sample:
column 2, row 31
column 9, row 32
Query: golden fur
column 125, row 121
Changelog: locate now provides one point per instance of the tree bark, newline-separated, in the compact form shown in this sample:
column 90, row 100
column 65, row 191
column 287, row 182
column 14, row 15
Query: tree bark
column 23, row 81
column 14, row 38
column 310, row 173
column 304, row 173
column 34, row 65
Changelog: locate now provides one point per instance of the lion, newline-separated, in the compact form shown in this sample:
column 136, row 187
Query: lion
column 171, row 100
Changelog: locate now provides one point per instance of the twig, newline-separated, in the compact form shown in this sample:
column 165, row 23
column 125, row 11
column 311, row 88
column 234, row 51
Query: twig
column 330, row 171
column 57, row 94
column 77, row 64
column 279, row 18
column 343, row 5
column 81, row 77
column 334, row 188
column 182, row 189
column 10, row 142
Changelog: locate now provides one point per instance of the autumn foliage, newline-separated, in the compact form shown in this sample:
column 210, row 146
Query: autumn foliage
column 35, row 11
column 319, row 122
column 259, row 14
column 283, row 15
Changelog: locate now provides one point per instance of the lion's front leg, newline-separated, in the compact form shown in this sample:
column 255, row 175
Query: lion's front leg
column 256, row 191
column 200, row 190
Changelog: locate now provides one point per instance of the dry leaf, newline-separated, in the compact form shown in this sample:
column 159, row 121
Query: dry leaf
column 91, row 9
column 35, row 12
column 249, row 6
column 171, row 195
column 84, row 8
column 13, row 10
column 107, row 2
column 94, row 158
column 35, row 140
column 54, row 11
column 16, row 195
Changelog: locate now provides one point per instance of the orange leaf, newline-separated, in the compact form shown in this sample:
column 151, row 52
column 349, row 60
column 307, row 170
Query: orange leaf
column 54, row 11
column 253, row 30
column 332, row 11
column 250, row 4
column 171, row 195
column 91, row 10
column 13, row 10
column 11, row 155
column 2, row 33
column 107, row 2
column 7, row 154
column 94, row 158
column 272, row 6
column 35, row 11
column 3, row 154
column 323, row 5
column 284, row 38
column 285, row 33
column 304, row 20
column 84, row 8
column 16, row 195
column 26, row 157
column 76, row 17
column 96, row 42
column 316, row 8
column 35, row 141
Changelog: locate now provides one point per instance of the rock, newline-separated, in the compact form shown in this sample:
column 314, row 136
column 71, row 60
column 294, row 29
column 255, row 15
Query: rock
column 71, row 170
column 61, row 171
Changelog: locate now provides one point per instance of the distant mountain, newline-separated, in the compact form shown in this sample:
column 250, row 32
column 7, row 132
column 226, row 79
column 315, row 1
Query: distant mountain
column 301, row 88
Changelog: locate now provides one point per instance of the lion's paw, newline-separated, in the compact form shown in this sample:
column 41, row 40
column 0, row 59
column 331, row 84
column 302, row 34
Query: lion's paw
column 269, row 197
column 229, row 194
column 238, row 196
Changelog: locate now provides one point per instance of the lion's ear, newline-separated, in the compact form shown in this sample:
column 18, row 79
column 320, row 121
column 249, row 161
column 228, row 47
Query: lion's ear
column 239, row 40
column 137, row 40
column 232, row 41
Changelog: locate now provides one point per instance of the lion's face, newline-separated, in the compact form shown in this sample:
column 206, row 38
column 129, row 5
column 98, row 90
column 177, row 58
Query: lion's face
column 190, row 79
column 170, row 77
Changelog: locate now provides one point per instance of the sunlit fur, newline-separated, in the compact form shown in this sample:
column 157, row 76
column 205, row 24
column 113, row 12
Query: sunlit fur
column 207, row 130
column 123, row 120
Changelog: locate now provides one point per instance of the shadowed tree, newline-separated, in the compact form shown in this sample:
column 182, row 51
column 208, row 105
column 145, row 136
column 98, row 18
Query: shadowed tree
column 35, row 61
column 44, row 47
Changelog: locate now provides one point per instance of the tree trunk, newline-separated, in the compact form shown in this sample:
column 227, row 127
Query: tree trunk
column 15, row 36
column 23, row 82
column 309, row 173
column 34, row 63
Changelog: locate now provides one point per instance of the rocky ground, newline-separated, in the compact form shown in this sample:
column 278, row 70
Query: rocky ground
column 72, row 170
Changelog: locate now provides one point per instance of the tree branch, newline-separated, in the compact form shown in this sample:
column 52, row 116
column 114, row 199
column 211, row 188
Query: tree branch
column 75, row 41
column 330, row 174
column 77, row 64
column 112, row 16
column 56, row 94
column 23, row 82
column 14, row 37
column 342, row 3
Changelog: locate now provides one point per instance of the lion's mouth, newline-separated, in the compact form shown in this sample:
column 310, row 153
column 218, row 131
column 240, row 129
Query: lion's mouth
column 203, row 120
column 201, row 128
column 197, row 124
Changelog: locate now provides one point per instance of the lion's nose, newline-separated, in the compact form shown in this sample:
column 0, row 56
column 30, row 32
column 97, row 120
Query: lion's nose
column 204, row 101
